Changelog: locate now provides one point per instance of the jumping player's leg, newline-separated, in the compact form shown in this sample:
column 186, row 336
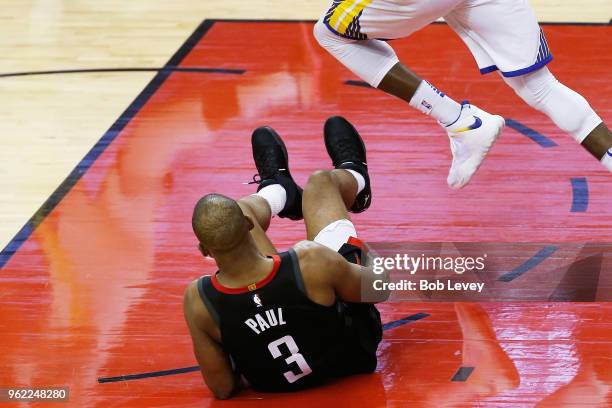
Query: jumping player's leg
column 470, row 141
column 350, row 36
column 599, row 144
column 506, row 36
column 375, row 62
column 567, row 109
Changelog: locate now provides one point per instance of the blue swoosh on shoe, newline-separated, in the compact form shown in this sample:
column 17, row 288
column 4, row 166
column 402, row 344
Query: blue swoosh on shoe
column 477, row 123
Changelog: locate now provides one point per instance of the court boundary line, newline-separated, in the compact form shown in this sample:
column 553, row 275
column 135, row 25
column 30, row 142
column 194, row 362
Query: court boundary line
column 535, row 136
column 297, row 20
column 463, row 373
column 542, row 255
column 100, row 146
column 201, row 70
column 580, row 194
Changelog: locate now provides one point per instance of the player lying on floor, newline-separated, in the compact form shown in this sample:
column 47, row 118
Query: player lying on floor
column 291, row 320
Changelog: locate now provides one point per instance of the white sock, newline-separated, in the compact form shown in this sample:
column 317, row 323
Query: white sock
column 433, row 102
column 276, row 196
column 607, row 160
column 360, row 180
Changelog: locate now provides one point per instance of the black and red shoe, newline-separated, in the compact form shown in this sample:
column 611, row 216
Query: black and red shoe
column 347, row 151
column 272, row 162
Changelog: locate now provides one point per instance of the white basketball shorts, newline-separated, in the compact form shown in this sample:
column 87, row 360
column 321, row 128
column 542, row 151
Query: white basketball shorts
column 502, row 35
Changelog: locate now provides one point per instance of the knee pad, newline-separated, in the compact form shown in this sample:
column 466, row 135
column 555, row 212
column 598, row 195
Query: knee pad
column 565, row 107
column 534, row 87
column 336, row 234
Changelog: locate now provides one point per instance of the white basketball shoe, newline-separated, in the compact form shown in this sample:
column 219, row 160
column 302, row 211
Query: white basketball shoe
column 471, row 137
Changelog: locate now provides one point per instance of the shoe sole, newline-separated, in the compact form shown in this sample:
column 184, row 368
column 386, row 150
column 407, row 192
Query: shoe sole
column 501, row 123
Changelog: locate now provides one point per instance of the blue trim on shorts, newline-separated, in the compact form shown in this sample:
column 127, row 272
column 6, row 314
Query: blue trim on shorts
column 489, row 69
column 544, row 57
column 527, row 70
column 518, row 72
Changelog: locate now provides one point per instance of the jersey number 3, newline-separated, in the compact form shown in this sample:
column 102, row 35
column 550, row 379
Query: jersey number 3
column 295, row 357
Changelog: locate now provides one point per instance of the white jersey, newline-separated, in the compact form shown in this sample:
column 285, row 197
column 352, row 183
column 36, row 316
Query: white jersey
column 501, row 34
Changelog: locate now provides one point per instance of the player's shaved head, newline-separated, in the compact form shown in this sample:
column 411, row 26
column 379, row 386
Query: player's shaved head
column 218, row 222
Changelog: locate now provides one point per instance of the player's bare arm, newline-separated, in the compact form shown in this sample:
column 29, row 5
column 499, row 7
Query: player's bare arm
column 215, row 364
column 327, row 274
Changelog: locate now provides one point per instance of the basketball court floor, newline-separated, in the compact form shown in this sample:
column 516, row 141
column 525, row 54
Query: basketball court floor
column 92, row 281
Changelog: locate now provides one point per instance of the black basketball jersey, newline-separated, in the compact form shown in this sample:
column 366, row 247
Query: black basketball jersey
column 277, row 337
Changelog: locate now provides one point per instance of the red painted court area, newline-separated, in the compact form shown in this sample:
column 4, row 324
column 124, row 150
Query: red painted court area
column 96, row 289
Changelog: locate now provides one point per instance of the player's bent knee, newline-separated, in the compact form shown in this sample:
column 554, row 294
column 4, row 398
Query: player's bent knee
column 320, row 177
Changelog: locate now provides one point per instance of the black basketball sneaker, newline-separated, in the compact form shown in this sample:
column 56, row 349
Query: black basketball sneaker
column 272, row 162
column 347, row 151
